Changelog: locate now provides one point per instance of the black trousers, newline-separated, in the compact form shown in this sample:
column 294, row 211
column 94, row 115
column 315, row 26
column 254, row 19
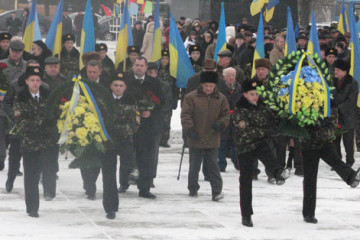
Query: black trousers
column 207, row 156
column 89, row 177
column 296, row 155
column 265, row 155
column 348, row 139
column 110, row 193
column 2, row 138
column 311, row 165
column 146, row 147
column 45, row 162
column 127, row 161
column 14, row 158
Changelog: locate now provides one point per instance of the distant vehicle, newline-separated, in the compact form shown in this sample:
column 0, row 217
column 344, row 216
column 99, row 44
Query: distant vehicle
column 44, row 21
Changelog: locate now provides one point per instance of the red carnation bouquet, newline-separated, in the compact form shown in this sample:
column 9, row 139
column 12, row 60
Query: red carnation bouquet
column 149, row 102
column 4, row 84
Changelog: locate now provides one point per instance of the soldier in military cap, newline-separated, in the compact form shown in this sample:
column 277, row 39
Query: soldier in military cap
column 195, row 57
column 4, row 44
column 69, row 56
column 133, row 53
column 330, row 57
column 52, row 76
column 254, row 123
column 38, row 140
column 107, row 63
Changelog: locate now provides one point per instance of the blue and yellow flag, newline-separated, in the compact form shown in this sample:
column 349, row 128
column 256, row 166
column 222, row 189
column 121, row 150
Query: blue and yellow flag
column 116, row 10
column 259, row 49
column 221, row 40
column 290, row 41
column 53, row 38
column 355, row 53
column 180, row 65
column 313, row 46
column 156, row 50
column 343, row 20
column 87, row 33
column 256, row 6
column 125, row 38
column 32, row 31
column 270, row 8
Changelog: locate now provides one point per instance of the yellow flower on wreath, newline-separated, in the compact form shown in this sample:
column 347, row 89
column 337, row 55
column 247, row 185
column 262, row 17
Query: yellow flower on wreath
column 83, row 142
column 97, row 138
column 79, row 111
column 302, row 90
column 60, row 125
column 81, row 133
column 307, row 101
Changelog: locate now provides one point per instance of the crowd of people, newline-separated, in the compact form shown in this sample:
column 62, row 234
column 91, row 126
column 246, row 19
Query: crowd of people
column 222, row 114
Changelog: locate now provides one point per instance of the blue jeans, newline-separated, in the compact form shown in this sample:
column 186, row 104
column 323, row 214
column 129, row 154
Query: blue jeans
column 224, row 143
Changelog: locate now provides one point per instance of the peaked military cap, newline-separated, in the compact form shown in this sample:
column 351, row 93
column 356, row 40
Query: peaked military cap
column 31, row 71
column 101, row 47
column 133, row 49
column 331, row 51
column 250, row 84
column 194, row 48
column 165, row 53
column 68, row 37
column 5, row 36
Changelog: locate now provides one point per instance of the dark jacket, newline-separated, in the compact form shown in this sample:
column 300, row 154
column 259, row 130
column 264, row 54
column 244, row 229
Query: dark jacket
column 138, row 36
column 252, row 125
column 240, row 76
column 108, row 66
column 164, row 75
column 13, row 25
column 246, row 57
column 237, row 53
column 54, row 82
column 67, row 25
column 200, row 112
column 69, row 62
column 346, row 97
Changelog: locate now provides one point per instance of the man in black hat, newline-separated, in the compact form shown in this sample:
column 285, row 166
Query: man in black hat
column 66, row 22
column 13, row 24
column 133, row 53
column 204, row 115
column 254, row 123
column 247, row 56
column 4, row 45
column 52, row 75
column 330, row 58
column 301, row 43
column 345, row 96
column 195, row 57
column 343, row 53
column 39, row 153
column 69, row 56
column 239, row 47
column 225, row 61
column 107, row 63
column 138, row 34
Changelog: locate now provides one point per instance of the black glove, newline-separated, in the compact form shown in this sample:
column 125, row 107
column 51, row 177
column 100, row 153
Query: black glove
column 218, row 126
column 193, row 134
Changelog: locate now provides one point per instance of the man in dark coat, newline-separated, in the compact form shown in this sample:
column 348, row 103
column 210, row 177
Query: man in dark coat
column 138, row 34
column 4, row 44
column 225, row 61
column 240, row 46
column 107, row 63
column 13, row 24
column 66, row 23
column 147, row 92
column 52, row 75
column 232, row 91
column 133, row 53
column 345, row 96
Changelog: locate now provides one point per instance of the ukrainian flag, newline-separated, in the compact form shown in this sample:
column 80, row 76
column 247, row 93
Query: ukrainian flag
column 156, row 51
column 290, row 42
column 180, row 66
column 355, row 53
column 87, row 34
column 125, row 38
column 221, row 40
column 270, row 8
column 32, row 31
column 259, row 48
column 53, row 38
column 256, row 6
column 343, row 20
column 313, row 44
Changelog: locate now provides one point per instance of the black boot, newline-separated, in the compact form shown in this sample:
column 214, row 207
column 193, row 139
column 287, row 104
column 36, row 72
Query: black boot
column 147, row 194
column 246, row 221
column 111, row 215
column 310, row 219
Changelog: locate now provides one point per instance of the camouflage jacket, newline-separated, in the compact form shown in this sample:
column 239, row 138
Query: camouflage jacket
column 252, row 124
column 35, row 133
column 108, row 66
column 125, row 125
column 69, row 62
column 321, row 134
column 164, row 74
column 128, row 66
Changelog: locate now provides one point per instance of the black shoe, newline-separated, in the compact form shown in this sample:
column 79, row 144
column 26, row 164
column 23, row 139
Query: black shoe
column 246, row 221
column 193, row 193
column 280, row 180
column 299, row 172
column 19, row 174
column 110, row 215
column 350, row 164
column 9, row 186
column 166, row 145
column 355, row 179
column 255, row 176
column 222, row 169
column 48, row 197
column 310, row 219
column 147, row 194
column 34, row 214
column 2, row 165
column 91, row 197
column 152, row 185
column 218, row 197
column 206, row 179
column 123, row 188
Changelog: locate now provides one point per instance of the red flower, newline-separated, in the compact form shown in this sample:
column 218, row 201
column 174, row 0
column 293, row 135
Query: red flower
column 3, row 66
column 63, row 100
column 338, row 126
column 231, row 112
column 154, row 98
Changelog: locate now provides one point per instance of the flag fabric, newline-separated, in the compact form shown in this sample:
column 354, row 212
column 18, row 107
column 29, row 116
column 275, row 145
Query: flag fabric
column 148, row 7
column 270, row 8
column 140, row 2
column 180, row 65
column 107, row 11
column 290, row 42
column 125, row 38
column 297, row 30
column 259, row 48
column 358, row 26
column 143, row 8
column 116, row 11
column 343, row 22
column 313, row 44
column 87, row 34
column 156, row 49
column 221, row 40
column 355, row 53
column 133, row 8
column 256, row 6
column 54, row 36
column 32, row 31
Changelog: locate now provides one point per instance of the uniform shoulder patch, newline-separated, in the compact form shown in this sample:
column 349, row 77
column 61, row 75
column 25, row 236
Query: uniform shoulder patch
column 242, row 124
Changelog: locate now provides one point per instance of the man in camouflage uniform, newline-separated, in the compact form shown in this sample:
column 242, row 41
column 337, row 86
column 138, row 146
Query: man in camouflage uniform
column 38, row 140
column 164, row 75
column 69, row 57
column 133, row 53
column 107, row 64
column 320, row 145
column 254, row 123
column 195, row 57
column 52, row 75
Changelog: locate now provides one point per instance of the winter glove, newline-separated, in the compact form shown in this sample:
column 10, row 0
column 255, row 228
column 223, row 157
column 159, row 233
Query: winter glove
column 218, row 126
column 193, row 134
